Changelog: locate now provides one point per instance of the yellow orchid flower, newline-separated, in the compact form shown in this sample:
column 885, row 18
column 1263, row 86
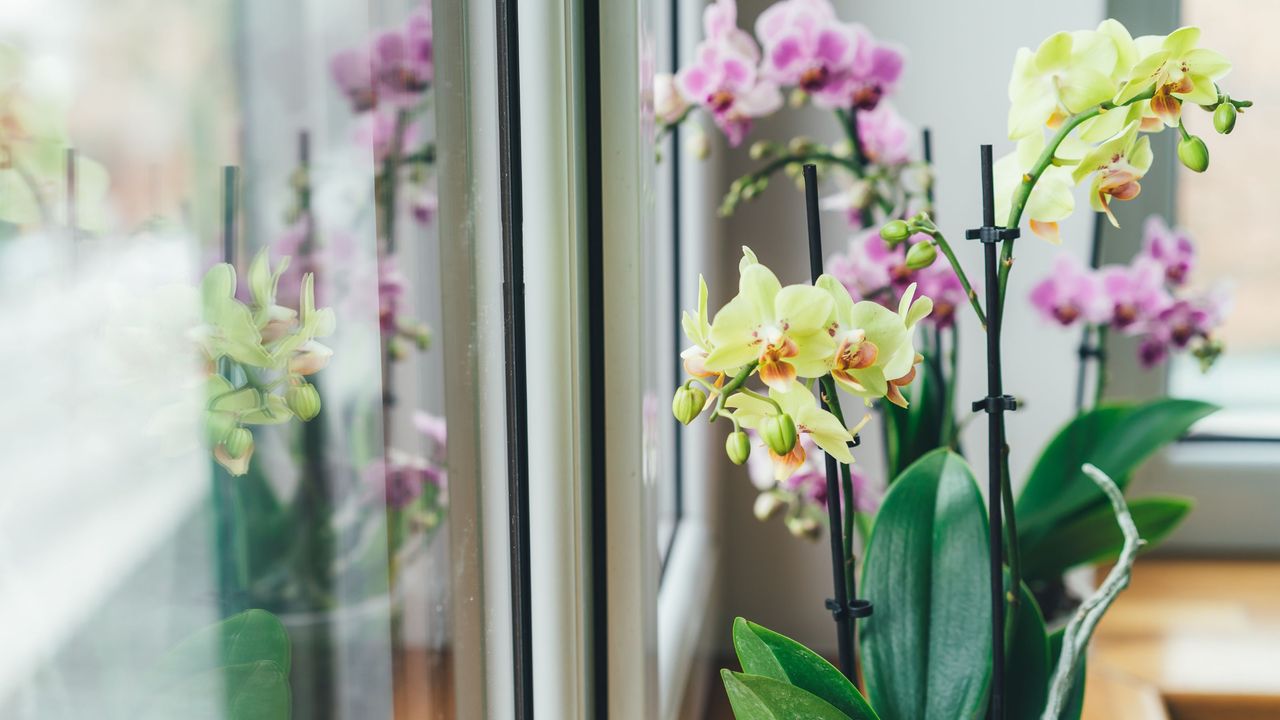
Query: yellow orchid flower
column 1178, row 70
column 779, row 328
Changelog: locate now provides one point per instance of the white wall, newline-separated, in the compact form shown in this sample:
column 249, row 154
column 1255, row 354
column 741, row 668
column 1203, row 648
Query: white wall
column 960, row 56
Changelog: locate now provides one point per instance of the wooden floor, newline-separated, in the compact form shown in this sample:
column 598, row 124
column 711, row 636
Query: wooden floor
column 1189, row 640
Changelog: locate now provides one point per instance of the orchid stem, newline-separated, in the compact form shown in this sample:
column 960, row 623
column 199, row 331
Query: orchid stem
column 950, row 254
column 1031, row 178
column 753, row 394
column 733, row 387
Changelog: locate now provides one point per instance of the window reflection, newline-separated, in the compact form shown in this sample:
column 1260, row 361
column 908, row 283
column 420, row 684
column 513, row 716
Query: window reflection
column 224, row 481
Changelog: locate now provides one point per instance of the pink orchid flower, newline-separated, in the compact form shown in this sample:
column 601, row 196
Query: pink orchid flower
column 724, row 79
column 806, row 46
column 1134, row 292
column 1071, row 293
column 1171, row 248
column 887, row 138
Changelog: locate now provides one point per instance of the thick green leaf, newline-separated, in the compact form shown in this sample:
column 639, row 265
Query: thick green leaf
column 766, row 653
column 926, row 649
column 1115, row 438
column 755, row 697
column 250, row 691
column 245, row 638
column 1027, row 667
column 755, row 657
column 1094, row 537
column 1075, row 704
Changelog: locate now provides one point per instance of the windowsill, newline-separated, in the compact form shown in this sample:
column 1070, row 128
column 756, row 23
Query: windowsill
column 683, row 607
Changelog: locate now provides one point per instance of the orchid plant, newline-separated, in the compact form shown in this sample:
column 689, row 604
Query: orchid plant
column 259, row 355
column 1083, row 106
column 388, row 83
column 802, row 54
column 803, row 50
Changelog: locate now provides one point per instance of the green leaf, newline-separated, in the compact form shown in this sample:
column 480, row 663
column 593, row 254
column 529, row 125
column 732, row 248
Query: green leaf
column 247, row 637
column 1115, row 438
column 1093, row 536
column 755, row 697
column 926, row 649
column 755, row 657
column 1027, row 667
column 249, row 691
column 766, row 653
column 1075, row 704
column 916, row 429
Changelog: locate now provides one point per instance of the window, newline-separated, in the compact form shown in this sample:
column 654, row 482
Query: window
column 224, row 229
column 1239, row 252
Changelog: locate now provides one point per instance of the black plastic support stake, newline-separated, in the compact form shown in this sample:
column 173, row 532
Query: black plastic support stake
column 1089, row 350
column 995, row 404
column 840, row 606
column 230, row 188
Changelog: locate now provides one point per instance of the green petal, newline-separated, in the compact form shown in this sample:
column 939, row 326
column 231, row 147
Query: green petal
column 702, row 304
column 816, row 349
column 1141, row 156
column 1204, row 91
column 1141, row 78
column 828, row 432
column 759, row 288
column 749, row 409
column 1126, row 51
column 260, row 280
column 873, row 379
column 1029, row 113
column 1087, row 87
column 794, row 399
column 1054, row 53
column 748, row 258
column 843, row 301
column 1052, row 199
column 1182, row 41
column 803, row 307
column 919, row 310
column 1204, row 61
column 735, row 323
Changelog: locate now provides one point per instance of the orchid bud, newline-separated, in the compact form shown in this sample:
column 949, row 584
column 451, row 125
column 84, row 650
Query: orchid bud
column 767, row 505
column 698, row 145
column 895, row 231
column 1224, row 118
column 800, row 145
column 921, row 255
column 738, row 447
column 804, row 526
column 1193, row 153
column 396, row 349
column 797, row 98
column 303, row 400
column 238, row 442
column 762, row 149
column 779, row 433
column 687, row 403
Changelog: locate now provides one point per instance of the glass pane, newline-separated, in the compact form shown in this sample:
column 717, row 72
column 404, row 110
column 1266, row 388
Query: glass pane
column 1232, row 220
column 224, row 483
column 663, row 305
